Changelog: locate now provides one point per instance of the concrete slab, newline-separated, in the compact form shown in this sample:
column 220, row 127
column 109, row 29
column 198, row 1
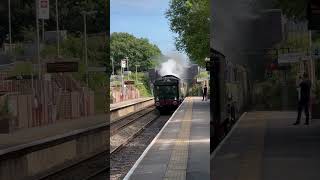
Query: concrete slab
column 181, row 149
column 129, row 103
column 199, row 156
column 30, row 135
column 266, row 146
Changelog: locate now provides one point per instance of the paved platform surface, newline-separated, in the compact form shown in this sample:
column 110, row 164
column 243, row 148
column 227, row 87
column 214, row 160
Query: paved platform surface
column 128, row 102
column 181, row 151
column 25, row 136
column 266, row 146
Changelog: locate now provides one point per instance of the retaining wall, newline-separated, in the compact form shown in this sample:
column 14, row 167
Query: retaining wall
column 36, row 159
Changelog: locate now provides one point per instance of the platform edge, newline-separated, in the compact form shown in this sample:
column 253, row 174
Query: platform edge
column 128, row 175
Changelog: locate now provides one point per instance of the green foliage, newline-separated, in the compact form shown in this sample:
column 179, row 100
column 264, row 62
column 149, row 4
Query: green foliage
column 143, row 89
column 196, row 90
column 190, row 20
column 203, row 74
column 70, row 17
column 268, row 94
column 138, row 50
column 316, row 91
column 97, row 80
column 295, row 9
column 22, row 68
column 72, row 47
column 142, row 84
column 4, row 108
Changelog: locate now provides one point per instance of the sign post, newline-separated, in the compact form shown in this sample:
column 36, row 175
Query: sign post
column 123, row 65
column 43, row 9
column 291, row 58
column 59, row 67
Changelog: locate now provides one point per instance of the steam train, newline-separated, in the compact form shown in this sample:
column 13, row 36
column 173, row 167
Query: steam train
column 169, row 92
column 230, row 96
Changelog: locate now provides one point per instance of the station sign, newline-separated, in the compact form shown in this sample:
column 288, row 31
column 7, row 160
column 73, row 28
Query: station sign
column 123, row 63
column 292, row 58
column 129, row 82
column 43, row 9
column 202, row 79
column 313, row 15
column 62, row 67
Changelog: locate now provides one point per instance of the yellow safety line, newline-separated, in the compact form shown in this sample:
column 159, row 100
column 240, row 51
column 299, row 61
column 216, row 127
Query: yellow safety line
column 177, row 167
column 251, row 161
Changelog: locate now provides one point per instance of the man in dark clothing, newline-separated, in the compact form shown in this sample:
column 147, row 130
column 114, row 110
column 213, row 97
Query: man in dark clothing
column 204, row 93
column 304, row 99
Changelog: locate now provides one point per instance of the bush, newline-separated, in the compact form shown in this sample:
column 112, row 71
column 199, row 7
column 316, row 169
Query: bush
column 316, row 91
column 196, row 90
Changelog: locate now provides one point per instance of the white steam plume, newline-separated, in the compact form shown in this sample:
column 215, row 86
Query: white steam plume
column 176, row 65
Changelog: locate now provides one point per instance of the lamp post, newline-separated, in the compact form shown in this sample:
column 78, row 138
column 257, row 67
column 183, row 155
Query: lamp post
column 112, row 63
column 123, row 65
column 38, row 39
column 9, row 18
column 127, row 62
column 58, row 32
column 137, row 65
column 85, row 13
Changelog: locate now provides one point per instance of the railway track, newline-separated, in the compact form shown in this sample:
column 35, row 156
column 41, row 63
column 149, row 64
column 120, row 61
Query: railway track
column 97, row 167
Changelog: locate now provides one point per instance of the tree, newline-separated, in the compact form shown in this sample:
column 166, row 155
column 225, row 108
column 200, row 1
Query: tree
column 70, row 17
column 138, row 50
column 190, row 20
column 295, row 9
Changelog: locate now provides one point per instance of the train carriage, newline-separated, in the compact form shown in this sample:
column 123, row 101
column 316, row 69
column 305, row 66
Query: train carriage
column 169, row 92
column 230, row 97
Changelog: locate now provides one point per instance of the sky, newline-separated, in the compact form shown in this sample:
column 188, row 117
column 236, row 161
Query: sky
column 143, row 19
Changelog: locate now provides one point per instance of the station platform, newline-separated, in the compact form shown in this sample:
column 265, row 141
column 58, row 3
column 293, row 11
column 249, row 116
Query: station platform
column 63, row 128
column 181, row 150
column 31, row 135
column 128, row 102
column 266, row 146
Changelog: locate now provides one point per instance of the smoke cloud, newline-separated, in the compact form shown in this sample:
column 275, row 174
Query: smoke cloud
column 233, row 26
column 174, row 64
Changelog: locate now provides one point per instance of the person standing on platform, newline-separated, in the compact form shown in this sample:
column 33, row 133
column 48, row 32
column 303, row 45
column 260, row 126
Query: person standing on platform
column 204, row 93
column 298, row 86
column 304, row 100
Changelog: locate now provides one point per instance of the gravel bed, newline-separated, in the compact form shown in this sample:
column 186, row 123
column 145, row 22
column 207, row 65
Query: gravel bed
column 124, row 135
column 122, row 160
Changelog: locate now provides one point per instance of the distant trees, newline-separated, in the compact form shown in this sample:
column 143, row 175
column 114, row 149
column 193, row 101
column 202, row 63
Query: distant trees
column 295, row 9
column 138, row 50
column 70, row 17
column 190, row 20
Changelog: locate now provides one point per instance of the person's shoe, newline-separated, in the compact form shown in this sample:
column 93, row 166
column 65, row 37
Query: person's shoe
column 296, row 123
column 306, row 123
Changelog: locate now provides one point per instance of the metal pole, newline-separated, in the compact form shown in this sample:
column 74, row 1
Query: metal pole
column 122, row 83
column 9, row 17
column 127, row 60
column 112, row 66
column 136, row 74
column 42, row 30
column 38, row 39
column 85, row 46
column 127, row 63
column 312, row 70
column 58, row 32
